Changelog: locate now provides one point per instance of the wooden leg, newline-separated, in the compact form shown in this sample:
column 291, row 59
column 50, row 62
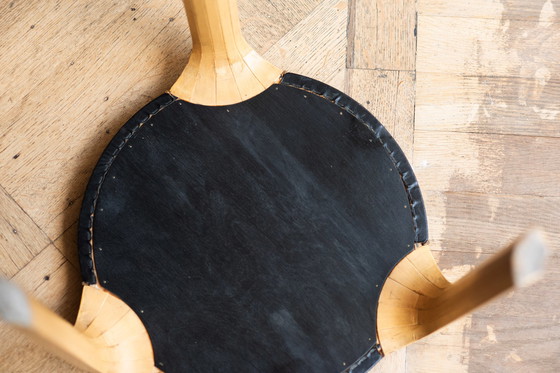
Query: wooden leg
column 49, row 330
column 416, row 300
column 108, row 335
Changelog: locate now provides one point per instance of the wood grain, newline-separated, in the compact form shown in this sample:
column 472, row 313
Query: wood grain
column 488, row 47
column 53, row 281
column 382, row 34
column 389, row 95
column 394, row 362
column 497, row 218
column 507, row 9
column 265, row 22
column 518, row 106
column 322, row 35
column 20, row 239
column 66, row 243
column 83, row 115
column 495, row 164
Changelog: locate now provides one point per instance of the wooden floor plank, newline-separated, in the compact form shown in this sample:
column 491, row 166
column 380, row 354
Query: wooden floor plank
column 382, row 34
column 488, row 47
column 20, row 238
column 520, row 106
column 546, row 10
column 507, row 339
column 404, row 112
column 316, row 46
column 376, row 90
column 394, row 362
column 496, row 164
column 67, row 244
column 53, row 281
column 24, row 356
column 389, row 95
column 265, row 22
column 480, row 222
column 58, row 137
column 443, row 352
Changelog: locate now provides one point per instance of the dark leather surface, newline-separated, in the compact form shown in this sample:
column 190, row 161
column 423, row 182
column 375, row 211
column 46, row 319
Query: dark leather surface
column 253, row 237
column 391, row 147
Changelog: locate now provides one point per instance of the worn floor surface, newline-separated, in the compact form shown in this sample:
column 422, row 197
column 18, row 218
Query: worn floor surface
column 470, row 89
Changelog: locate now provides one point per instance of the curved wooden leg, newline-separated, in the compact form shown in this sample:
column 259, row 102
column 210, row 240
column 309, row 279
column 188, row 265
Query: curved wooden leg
column 416, row 299
column 108, row 335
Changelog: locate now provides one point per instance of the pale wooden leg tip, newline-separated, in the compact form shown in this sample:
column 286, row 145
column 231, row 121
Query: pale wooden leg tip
column 14, row 306
column 528, row 259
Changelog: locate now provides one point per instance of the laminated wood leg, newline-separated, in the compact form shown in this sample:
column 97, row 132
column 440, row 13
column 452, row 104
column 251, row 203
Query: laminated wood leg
column 222, row 69
column 108, row 335
column 416, row 300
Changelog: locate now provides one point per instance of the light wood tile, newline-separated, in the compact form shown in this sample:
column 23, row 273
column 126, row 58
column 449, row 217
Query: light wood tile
column 20, row 238
column 520, row 106
column 316, row 46
column 496, row 164
column 382, row 34
column 394, row 362
column 507, row 9
column 265, row 22
column 442, row 352
column 70, row 106
column 403, row 131
column 67, row 244
column 389, row 96
column 481, row 222
column 488, row 47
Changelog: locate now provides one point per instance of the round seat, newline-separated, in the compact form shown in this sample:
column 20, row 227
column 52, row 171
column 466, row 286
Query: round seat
column 255, row 236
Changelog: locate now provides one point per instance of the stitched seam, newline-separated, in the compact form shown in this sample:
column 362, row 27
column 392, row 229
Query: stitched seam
column 408, row 187
column 363, row 359
column 101, row 179
column 389, row 152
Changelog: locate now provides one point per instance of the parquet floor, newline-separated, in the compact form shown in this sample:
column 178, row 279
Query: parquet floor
column 470, row 89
